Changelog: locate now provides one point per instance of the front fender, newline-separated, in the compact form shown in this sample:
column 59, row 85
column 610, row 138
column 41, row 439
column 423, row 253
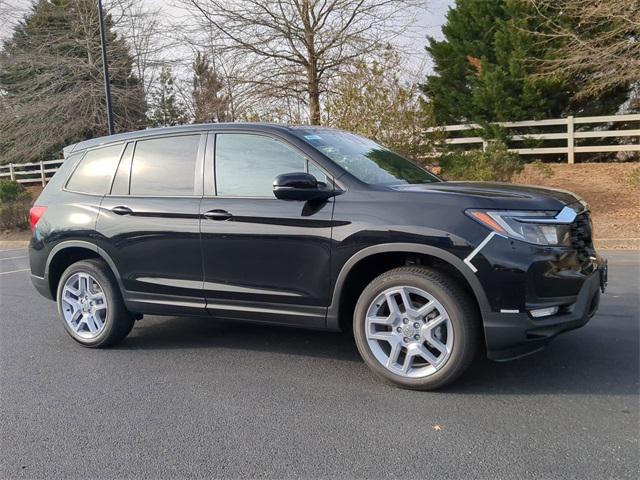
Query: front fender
column 332, row 320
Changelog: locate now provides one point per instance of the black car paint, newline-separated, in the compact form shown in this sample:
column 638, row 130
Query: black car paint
column 287, row 262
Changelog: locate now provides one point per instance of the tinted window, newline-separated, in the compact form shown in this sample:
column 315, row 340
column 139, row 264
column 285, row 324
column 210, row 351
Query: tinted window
column 319, row 174
column 246, row 165
column 164, row 166
column 121, row 182
column 364, row 158
column 95, row 172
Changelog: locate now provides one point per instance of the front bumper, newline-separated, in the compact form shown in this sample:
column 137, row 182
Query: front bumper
column 511, row 335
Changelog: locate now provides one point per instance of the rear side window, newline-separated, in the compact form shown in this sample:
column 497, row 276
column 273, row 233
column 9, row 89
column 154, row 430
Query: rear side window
column 96, row 170
column 164, row 166
column 246, row 165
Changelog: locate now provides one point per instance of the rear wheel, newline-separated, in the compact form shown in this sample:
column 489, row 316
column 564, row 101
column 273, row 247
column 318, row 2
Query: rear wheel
column 416, row 328
column 90, row 305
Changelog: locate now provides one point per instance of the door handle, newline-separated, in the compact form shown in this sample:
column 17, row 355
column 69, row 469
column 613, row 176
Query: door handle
column 217, row 215
column 122, row 210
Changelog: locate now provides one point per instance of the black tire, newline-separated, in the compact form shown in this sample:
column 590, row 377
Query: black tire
column 118, row 322
column 462, row 312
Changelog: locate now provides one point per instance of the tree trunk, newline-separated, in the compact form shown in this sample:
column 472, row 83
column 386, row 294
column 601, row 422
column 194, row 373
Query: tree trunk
column 313, row 80
column 313, row 87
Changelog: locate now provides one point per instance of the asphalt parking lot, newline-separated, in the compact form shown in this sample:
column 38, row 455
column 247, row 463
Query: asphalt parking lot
column 188, row 397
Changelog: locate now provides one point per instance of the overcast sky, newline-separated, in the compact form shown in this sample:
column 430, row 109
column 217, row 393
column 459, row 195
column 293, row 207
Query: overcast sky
column 428, row 23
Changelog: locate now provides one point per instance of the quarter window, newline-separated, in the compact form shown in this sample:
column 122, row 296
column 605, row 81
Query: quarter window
column 164, row 166
column 95, row 172
column 121, row 182
column 246, row 165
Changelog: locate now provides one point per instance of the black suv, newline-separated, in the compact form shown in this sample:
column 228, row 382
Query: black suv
column 311, row 227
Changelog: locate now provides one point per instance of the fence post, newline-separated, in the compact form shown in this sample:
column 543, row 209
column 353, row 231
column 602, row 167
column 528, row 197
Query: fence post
column 12, row 174
column 43, row 176
column 570, row 140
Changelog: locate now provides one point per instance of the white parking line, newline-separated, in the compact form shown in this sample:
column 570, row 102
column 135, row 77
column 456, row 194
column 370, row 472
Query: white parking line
column 15, row 271
column 12, row 258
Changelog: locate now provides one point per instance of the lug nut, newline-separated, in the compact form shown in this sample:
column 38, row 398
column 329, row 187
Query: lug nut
column 398, row 329
column 416, row 337
column 405, row 339
column 416, row 325
column 405, row 320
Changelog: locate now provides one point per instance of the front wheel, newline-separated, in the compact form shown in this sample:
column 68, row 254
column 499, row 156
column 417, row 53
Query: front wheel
column 416, row 328
column 90, row 305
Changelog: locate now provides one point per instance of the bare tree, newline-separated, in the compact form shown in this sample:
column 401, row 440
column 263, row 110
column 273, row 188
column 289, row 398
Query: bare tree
column 251, row 92
column 302, row 43
column 237, row 72
column 600, row 42
column 145, row 32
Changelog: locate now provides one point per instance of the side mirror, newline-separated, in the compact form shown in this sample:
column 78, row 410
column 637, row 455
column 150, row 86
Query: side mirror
column 299, row 186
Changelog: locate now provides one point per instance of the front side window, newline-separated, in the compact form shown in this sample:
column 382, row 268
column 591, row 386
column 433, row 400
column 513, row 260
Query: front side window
column 365, row 159
column 164, row 166
column 247, row 164
column 95, row 171
column 322, row 177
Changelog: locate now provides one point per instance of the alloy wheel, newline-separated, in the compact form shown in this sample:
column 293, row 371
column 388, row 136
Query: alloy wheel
column 84, row 305
column 409, row 332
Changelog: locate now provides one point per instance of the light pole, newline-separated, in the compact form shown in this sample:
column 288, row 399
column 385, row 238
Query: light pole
column 105, row 69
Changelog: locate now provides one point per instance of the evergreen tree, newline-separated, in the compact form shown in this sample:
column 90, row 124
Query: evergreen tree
column 166, row 110
column 51, row 82
column 485, row 68
column 210, row 103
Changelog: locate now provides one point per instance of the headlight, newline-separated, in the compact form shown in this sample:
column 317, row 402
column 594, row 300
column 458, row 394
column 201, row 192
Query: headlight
column 521, row 225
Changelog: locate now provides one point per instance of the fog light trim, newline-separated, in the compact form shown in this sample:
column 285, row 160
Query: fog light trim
column 543, row 312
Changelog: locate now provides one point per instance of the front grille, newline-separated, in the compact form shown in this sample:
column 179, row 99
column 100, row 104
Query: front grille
column 581, row 239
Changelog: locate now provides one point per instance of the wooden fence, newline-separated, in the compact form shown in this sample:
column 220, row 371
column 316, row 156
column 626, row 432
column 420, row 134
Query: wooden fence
column 569, row 135
column 30, row 173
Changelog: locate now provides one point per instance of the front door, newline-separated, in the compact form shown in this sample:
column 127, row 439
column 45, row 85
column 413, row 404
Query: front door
column 264, row 259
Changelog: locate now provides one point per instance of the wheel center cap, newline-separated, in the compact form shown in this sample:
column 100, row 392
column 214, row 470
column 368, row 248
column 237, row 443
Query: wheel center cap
column 408, row 330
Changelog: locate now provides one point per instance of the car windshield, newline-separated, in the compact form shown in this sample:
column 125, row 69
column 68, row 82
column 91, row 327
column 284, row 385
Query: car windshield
column 364, row 158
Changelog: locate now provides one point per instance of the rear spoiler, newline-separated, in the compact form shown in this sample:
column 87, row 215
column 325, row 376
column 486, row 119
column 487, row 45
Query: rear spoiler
column 66, row 151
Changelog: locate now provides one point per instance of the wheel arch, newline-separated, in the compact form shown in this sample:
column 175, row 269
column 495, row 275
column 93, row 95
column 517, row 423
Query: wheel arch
column 392, row 252
column 66, row 253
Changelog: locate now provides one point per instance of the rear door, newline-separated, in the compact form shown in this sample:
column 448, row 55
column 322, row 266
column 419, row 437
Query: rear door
column 149, row 223
column 264, row 259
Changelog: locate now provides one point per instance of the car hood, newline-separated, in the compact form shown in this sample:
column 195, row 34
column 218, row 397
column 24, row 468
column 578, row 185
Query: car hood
column 499, row 195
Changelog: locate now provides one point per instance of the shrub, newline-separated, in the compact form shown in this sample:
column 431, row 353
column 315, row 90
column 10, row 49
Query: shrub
column 15, row 202
column 14, row 214
column 495, row 163
column 542, row 169
column 11, row 190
